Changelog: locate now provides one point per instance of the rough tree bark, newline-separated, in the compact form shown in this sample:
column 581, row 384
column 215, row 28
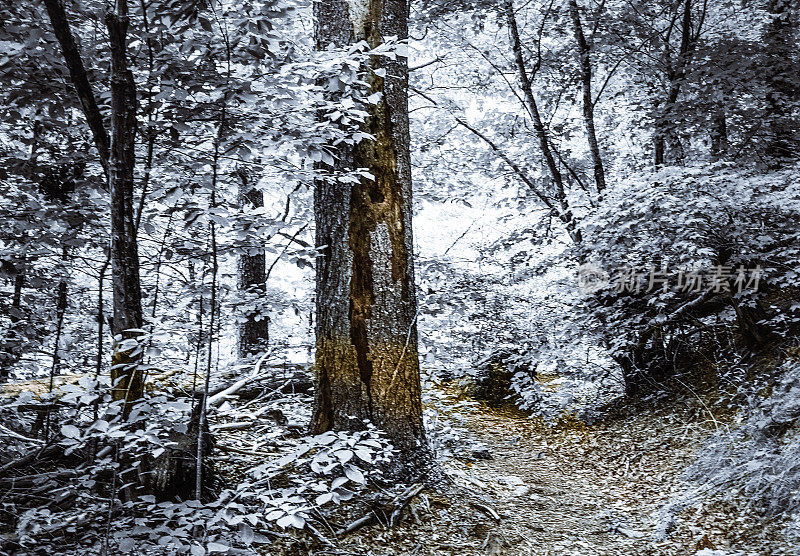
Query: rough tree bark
column 253, row 333
column 367, row 365
column 79, row 78
column 128, row 379
column 586, row 89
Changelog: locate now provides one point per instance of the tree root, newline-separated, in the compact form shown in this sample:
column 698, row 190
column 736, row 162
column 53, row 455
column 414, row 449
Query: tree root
column 394, row 511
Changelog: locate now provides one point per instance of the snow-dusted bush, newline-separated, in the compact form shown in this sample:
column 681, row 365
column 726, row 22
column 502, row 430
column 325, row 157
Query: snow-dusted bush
column 294, row 492
column 722, row 222
column 586, row 343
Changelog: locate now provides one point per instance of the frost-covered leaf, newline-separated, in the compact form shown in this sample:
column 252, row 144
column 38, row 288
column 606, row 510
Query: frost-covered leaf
column 70, row 431
column 126, row 544
column 344, row 455
column 275, row 514
column 246, row 533
column 354, row 474
column 292, row 520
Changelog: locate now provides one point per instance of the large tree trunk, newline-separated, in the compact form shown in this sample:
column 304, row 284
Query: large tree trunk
column 588, row 104
column 367, row 366
column 254, row 332
column 127, row 378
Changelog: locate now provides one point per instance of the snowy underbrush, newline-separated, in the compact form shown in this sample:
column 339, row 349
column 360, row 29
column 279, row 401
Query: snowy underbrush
column 754, row 469
column 636, row 326
column 314, row 489
column 579, row 387
column 79, row 494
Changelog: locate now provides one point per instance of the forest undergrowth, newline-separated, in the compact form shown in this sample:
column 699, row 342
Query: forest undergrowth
column 517, row 483
column 523, row 485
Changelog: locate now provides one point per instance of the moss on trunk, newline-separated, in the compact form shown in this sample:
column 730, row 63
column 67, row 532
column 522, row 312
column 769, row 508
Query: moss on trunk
column 367, row 366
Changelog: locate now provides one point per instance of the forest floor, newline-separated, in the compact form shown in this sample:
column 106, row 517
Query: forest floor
column 568, row 488
column 521, row 486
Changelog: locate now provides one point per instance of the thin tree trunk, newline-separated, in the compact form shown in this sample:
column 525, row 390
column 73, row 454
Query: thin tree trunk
column 79, row 79
column 126, row 376
column 202, row 428
column 719, row 133
column 159, row 260
column 565, row 214
column 588, row 104
column 254, row 332
column 14, row 315
column 367, row 363
column 782, row 90
column 658, row 148
column 148, row 167
column 149, row 132
column 198, row 340
column 61, row 309
column 665, row 129
column 101, row 314
column 16, row 299
column 98, row 365
column 530, row 100
column 202, row 431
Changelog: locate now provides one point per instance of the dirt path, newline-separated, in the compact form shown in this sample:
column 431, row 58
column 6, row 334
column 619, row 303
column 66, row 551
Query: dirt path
column 548, row 503
column 568, row 489
column 577, row 489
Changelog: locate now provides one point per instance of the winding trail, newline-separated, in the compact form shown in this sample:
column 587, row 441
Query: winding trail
column 524, row 487
column 573, row 488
